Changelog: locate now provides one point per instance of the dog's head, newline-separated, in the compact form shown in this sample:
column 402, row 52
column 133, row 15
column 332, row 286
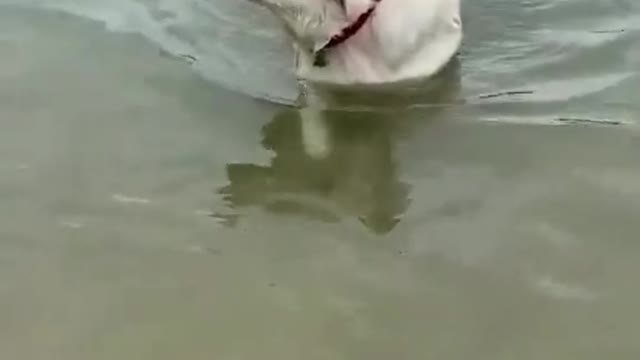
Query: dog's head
column 310, row 23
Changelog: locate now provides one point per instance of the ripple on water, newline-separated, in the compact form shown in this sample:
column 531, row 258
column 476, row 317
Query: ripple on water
column 561, row 51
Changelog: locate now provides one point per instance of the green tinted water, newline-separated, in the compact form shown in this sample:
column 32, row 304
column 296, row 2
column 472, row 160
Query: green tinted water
column 148, row 214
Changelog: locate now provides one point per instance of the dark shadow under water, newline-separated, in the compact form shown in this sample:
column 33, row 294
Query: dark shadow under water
column 359, row 178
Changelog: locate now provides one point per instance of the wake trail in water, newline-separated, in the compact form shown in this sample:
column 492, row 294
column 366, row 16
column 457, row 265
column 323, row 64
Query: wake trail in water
column 216, row 36
column 546, row 52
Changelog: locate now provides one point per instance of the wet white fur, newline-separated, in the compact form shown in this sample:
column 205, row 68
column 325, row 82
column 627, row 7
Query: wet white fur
column 403, row 40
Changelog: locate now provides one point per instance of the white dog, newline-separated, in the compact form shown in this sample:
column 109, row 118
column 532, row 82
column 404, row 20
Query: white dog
column 364, row 42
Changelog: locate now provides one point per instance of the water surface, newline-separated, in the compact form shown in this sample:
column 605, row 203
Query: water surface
column 156, row 205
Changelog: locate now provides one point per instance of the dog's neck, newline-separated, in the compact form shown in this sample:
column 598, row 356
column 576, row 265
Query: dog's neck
column 347, row 32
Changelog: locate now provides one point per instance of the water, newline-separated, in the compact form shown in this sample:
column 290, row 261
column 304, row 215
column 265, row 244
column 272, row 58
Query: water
column 157, row 207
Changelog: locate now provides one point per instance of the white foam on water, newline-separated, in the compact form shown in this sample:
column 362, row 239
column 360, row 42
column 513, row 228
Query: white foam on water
column 563, row 291
column 130, row 199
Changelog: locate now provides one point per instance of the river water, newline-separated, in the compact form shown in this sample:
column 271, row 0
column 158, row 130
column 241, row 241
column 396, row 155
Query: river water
column 156, row 201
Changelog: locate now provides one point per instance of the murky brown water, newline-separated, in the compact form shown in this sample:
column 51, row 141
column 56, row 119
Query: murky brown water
column 149, row 214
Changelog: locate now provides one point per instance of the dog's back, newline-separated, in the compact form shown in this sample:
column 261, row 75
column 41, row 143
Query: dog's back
column 403, row 40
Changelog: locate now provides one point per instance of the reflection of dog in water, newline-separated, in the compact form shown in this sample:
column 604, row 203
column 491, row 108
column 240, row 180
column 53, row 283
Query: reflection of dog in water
column 357, row 177
column 338, row 164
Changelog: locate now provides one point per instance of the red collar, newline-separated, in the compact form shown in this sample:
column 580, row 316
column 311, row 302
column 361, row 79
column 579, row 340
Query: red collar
column 345, row 34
